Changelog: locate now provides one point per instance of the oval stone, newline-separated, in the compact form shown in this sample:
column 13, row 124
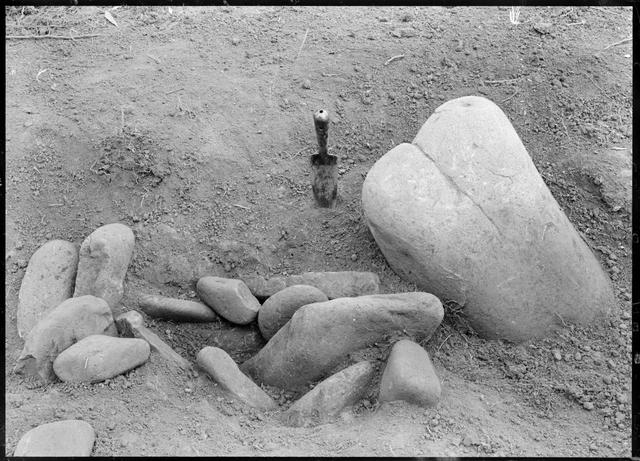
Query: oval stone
column 463, row 213
column 229, row 298
column 48, row 281
column 66, row 438
column 64, row 325
column 99, row 357
column 278, row 309
column 104, row 259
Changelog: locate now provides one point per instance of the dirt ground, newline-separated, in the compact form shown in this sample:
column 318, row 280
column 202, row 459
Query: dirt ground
column 194, row 127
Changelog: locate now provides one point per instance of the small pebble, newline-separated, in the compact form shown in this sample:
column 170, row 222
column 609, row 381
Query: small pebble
column 354, row 257
column 578, row 356
column 306, row 84
column 556, row 354
column 588, row 406
column 622, row 398
column 611, row 364
column 607, row 379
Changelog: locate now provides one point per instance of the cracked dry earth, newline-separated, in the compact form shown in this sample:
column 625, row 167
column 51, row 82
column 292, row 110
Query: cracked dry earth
column 193, row 125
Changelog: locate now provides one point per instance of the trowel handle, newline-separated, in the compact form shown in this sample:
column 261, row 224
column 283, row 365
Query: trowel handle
column 321, row 122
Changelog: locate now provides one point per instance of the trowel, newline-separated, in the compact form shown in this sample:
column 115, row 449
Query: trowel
column 324, row 165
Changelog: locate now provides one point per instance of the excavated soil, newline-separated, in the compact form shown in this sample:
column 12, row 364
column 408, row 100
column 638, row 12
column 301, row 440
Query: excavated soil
column 193, row 125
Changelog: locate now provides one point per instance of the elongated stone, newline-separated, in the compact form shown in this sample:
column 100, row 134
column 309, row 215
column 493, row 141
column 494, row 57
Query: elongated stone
column 180, row 310
column 331, row 396
column 225, row 372
column 131, row 324
column 48, row 281
column 320, row 335
column 99, row 357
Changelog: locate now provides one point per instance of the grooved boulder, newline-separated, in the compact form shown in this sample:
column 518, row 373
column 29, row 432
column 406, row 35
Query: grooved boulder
column 463, row 213
column 320, row 335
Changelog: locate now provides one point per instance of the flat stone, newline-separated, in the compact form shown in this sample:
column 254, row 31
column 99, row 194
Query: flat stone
column 104, row 259
column 131, row 324
column 330, row 397
column 333, row 284
column 48, row 281
column 320, row 335
column 463, row 213
column 66, row 438
column 179, row 310
column 99, row 357
column 225, row 372
column 66, row 324
column 278, row 309
column 229, row 298
column 410, row 376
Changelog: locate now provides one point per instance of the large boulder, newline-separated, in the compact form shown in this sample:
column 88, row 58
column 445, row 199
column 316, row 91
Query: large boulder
column 320, row 335
column 48, row 281
column 463, row 213
column 63, row 326
column 99, row 357
column 104, row 259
